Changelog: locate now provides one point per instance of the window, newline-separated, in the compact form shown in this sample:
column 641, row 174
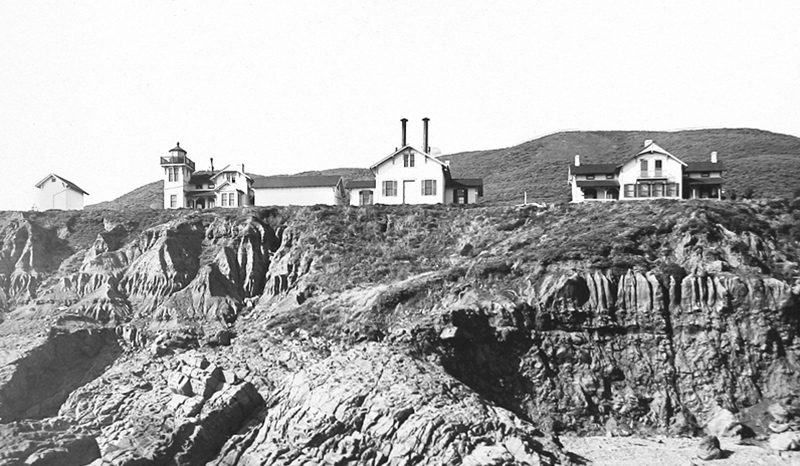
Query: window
column 390, row 188
column 643, row 165
column 658, row 189
column 210, row 185
column 198, row 186
column 408, row 159
column 589, row 177
column 658, row 167
column 672, row 189
column 366, row 197
column 704, row 174
column 644, row 190
column 173, row 201
column 224, row 200
column 428, row 187
column 609, row 177
column 172, row 173
column 231, row 199
column 231, row 177
column 629, row 190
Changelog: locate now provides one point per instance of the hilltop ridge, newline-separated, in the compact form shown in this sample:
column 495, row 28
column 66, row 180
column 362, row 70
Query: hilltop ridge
column 766, row 163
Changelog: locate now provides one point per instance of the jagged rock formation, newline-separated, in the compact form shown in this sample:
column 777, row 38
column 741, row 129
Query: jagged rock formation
column 401, row 335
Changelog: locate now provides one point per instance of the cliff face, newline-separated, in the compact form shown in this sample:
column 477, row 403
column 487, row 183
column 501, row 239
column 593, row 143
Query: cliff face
column 388, row 335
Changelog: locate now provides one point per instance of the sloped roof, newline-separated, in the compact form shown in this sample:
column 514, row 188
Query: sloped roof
column 296, row 181
column 201, row 176
column 597, row 183
column 360, row 184
column 415, row 150
column 716, row 180
column 466, row 183
column 178, row 148
column 69, row 183
column 593, row 168
column 655, row 148
column 705, row 167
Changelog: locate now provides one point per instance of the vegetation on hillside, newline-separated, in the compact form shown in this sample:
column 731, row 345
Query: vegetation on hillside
column 760, row 164
column 765, row 163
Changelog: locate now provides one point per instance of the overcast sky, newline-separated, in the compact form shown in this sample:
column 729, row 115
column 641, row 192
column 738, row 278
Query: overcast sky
column 97, row 91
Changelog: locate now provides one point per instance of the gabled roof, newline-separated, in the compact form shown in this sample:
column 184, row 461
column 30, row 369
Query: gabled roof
column 655, row 148
column 360, row 184
column 705, row 167
column 593, row 169
column 69, row 184
column 296, row 181
column 400, row 150
column 461, row 183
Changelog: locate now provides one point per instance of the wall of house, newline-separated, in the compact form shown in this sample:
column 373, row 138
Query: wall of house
column 235, row 172
column 630, row 173
column 176, row 188
column 472, row 196
column 409, row 180
column 297, row 196
column 355, row 196
column 56, row 195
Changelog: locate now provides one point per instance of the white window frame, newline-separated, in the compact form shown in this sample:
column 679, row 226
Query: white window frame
column 428, row 187
column 389, row 188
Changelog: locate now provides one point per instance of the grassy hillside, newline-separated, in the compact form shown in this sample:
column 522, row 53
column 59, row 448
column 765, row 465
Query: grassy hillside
column 144, row 197
column 764, row 162
column 767, row 162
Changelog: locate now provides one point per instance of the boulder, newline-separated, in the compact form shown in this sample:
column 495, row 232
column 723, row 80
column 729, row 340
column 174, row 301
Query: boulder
column 708, row 448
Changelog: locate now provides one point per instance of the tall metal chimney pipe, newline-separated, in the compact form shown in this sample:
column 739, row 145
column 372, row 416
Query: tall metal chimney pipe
column 425, row 135
column 403, row 122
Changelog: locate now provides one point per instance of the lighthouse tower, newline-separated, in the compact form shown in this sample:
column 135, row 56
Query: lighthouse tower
column 178, row 169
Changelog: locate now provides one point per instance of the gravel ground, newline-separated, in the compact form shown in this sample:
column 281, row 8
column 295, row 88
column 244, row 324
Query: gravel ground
column 668, row 451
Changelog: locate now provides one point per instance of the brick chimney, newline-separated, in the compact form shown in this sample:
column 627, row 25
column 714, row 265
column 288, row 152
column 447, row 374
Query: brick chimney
column 714, row 157
column 577, row 160
column 425, row 147
column 403, row 122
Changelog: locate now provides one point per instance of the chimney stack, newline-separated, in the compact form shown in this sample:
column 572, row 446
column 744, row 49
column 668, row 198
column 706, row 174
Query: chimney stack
column 425, row 147
column 403, row 122
column 647, row 142
column 212, row 164
column 577, row 160
column 714, row 157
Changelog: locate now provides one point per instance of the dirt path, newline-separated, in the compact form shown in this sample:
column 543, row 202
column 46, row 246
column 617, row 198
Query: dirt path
column 668, row 451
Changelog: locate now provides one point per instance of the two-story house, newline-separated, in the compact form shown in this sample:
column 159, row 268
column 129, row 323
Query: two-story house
column 203, row 189
column 653, row 173
column 413, row 176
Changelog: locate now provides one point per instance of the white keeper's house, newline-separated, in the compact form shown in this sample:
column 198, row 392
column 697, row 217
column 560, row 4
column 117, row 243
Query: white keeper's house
column 413, row 176
column 652, row 173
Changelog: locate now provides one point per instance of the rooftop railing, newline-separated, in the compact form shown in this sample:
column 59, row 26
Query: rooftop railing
column 172, row 160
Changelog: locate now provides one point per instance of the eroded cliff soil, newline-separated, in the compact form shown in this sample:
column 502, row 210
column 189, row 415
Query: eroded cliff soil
column 403, row 335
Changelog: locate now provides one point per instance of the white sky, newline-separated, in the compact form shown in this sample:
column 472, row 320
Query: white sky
column 96, row 91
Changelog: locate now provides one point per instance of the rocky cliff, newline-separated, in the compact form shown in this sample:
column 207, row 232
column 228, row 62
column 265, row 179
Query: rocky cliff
column 405, row 335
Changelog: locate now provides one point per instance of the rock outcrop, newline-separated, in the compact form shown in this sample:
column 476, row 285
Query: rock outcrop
column 394, row 335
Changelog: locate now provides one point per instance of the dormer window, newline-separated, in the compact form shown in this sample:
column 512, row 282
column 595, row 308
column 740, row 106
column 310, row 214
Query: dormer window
column 210, row 185
column 198, row 186
column 705, row 174
column 609, row 177
column 589, row 177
